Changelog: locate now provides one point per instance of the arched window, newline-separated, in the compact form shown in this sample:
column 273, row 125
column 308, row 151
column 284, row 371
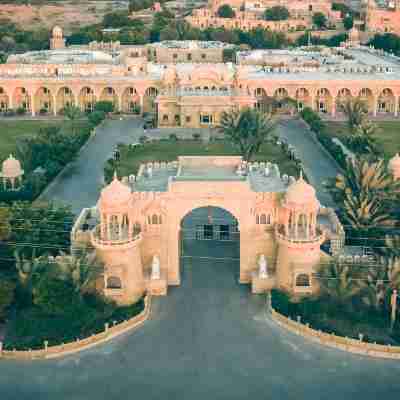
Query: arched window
column 113, row 282
column 302, row 280
column 263, row 219
column 154, row 219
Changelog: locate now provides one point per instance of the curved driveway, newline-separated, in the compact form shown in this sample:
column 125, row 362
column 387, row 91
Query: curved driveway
column 208, row 339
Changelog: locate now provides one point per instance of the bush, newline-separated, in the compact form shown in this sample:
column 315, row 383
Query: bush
column 96, row 117
column 276, row 13
column 173, row 137
column 320, row 20
column 20, row 111
column 226, row 11
column 104, row 106
column 196, row 136
column 312, row 119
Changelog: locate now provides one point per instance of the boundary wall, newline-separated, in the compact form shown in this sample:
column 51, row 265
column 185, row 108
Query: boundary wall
column 343, row 343
column 81, row 344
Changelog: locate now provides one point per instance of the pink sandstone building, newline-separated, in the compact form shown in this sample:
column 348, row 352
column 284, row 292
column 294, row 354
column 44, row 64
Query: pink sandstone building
column 193, row 88
column 381, row 19
column 136, row 227
column 249, row 15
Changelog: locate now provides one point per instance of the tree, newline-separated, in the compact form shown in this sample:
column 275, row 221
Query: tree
column 276, row 13
column 73, row 113
column 319, row 20
column 5, row 227
column 337, row 281
column 226, row 11
column 355, row 110
column 366, row 194
column 363, row 139
column 116, row 19
column 7, row 290
column 348, row 22
column 247, row 129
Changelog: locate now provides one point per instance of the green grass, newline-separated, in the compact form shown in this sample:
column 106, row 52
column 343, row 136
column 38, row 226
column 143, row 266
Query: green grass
column 167, row 150
column 11, row 130
column 388, row 134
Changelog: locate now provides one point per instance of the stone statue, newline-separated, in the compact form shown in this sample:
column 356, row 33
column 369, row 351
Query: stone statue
column 262, row 267
column 155, row 268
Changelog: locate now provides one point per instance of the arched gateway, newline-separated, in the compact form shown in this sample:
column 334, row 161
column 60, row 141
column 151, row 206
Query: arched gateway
column 139, row 224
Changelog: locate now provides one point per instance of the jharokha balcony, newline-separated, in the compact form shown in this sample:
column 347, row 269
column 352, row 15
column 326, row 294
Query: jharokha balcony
column 300, row 235
column 113, row 236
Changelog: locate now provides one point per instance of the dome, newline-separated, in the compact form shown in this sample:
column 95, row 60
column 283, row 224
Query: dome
column 301, row 194
column 57, row 32
column 11, row 168
column 394, row 165
column 116, row 194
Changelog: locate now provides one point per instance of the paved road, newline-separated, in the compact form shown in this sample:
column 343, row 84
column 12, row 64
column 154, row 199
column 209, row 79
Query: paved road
column 208, row 339
column 80, row 184
column 317, row 165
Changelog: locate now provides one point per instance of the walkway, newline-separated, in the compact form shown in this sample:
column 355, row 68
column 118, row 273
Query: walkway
column 317, row 165
column 80, row 184
column 208, row 339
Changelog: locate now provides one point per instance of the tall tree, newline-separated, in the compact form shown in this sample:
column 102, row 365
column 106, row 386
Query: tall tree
column 355, row 110
column 73, row 113
column 276, row 13
column 247, row 129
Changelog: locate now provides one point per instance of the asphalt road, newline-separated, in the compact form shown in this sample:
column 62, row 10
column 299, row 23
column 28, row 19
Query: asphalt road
column 208, row 339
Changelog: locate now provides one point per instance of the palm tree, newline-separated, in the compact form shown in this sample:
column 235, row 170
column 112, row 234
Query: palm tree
column 362, row 140
column 73, row 113
column 367, row 195
column 355, row 110
column 337, row 281
column 5, row 227
column 247, row 129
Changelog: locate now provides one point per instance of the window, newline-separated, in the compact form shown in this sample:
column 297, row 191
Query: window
column 154, row 220
column 131, row 90
column 45, row 91
column 1, row 90
column 165, row 118
column 23, row 90
column 67, row 90
column 302, row 280
column 189, row 57
column 188, row 118
column 113, row 282
column 110, row 91
column 263, row 219
column 206, row 119
column 175, row 56
column 203, row 56
column 88, row 91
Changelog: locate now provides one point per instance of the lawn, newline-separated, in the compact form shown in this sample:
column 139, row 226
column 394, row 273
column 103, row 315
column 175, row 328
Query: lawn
column 388, row 135
column 169, row 150
column 11, row 130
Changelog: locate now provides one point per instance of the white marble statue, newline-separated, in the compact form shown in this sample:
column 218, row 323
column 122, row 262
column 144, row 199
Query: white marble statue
column 262, row 267
column 155, row 268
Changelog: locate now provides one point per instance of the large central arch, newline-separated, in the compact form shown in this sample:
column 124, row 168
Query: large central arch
column 210, row 236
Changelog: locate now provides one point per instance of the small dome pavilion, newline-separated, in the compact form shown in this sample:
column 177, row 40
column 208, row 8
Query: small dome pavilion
column 302, row 207
column 11, row 173
column 114, row 206
column 394, row 166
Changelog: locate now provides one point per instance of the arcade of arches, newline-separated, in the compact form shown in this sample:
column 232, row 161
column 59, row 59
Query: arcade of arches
column 182, row 109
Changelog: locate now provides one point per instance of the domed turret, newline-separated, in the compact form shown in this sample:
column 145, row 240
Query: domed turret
column 301, row 195
column 57, row 40
column 57, row 32
column 11, row 172
column 11, row 168
column 115, row 196
column 394, row 166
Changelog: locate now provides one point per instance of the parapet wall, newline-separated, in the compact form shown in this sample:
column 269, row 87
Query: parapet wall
column 79, row 345
column 343, row 343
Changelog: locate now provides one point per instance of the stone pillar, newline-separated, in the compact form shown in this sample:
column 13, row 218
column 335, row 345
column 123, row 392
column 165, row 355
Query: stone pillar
column 141, row 102
column 396, row 106
column 333, row 112
column 375, row 106
column 55, row 105
column 33, row 105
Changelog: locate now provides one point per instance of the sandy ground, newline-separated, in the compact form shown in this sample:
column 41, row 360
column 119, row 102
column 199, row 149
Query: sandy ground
column 68, row 14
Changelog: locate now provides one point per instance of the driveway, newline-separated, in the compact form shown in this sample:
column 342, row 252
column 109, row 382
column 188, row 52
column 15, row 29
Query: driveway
column 316, row 163
column 208, row 339
column 80, row 184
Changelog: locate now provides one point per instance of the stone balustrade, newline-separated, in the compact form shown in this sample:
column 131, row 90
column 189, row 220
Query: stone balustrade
column 124, row 239
column 343, row 343
column 109, row 333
